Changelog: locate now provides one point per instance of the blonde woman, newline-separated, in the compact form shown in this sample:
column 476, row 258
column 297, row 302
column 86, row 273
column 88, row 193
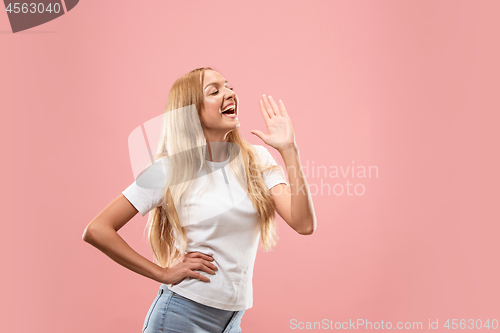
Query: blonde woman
column 208, row 210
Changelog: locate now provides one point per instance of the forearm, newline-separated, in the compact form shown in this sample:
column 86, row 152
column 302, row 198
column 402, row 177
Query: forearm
column 302, row 210
column 108, row 241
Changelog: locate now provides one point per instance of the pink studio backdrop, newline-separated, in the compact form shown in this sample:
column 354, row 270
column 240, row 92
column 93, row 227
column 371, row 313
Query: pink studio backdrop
column 409, row 88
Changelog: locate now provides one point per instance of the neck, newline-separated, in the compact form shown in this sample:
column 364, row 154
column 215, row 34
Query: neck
column 218, row 151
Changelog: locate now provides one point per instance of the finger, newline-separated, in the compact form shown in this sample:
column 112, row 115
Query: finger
column 265, row 113
column 200, row 261
column 283, row 109
column 198, row 276
column 198, row 254
column 210, row 265
column 268, row 106
column 275, row 107
column 259, row 134
column 199, row 266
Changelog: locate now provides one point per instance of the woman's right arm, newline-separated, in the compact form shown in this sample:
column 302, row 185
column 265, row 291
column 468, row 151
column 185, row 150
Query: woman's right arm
column 102, row 233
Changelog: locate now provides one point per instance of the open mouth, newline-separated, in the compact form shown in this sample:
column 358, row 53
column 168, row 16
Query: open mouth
column 230, row 111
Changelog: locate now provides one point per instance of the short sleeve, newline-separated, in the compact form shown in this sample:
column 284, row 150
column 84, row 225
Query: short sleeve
column 271, row 177
column 144, row 199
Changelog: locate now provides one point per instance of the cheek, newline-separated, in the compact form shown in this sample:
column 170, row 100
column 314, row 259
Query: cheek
column 210, row 113
column 213, row 109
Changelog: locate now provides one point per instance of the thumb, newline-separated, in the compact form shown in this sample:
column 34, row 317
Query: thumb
column 259, row 134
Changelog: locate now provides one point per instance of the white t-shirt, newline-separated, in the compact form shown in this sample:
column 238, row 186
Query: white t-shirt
column 231, row 237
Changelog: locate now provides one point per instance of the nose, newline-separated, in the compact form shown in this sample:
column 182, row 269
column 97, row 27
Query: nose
column 230, row 94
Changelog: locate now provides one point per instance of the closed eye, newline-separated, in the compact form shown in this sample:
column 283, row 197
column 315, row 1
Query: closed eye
column 215, row 93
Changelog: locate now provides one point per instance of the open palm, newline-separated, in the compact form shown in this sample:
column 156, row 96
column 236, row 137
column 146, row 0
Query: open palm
column 279, row 125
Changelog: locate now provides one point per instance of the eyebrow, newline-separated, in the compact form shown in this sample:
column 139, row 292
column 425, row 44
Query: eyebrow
column 213, row 83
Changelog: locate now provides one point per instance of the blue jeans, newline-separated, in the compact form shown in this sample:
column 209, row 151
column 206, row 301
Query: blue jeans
column 171, row 312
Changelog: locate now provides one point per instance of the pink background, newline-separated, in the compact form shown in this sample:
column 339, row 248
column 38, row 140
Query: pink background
column 410, row 87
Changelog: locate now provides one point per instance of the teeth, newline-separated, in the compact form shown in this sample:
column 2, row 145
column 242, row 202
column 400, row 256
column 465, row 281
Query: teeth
column 229, row 108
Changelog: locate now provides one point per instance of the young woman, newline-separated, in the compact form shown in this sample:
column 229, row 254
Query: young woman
column 217, row 199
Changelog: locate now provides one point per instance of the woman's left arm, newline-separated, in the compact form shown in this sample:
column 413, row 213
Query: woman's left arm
column 294, row 204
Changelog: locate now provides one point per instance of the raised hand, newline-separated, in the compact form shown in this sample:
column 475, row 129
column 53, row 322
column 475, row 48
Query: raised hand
column 279, row 125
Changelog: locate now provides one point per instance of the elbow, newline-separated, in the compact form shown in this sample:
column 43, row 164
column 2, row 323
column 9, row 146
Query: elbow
column 87, row 234
column 309, row 230
column 306, row 232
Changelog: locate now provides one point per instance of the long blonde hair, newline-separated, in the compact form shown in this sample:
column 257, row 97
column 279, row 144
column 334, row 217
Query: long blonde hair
column 183, row 141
